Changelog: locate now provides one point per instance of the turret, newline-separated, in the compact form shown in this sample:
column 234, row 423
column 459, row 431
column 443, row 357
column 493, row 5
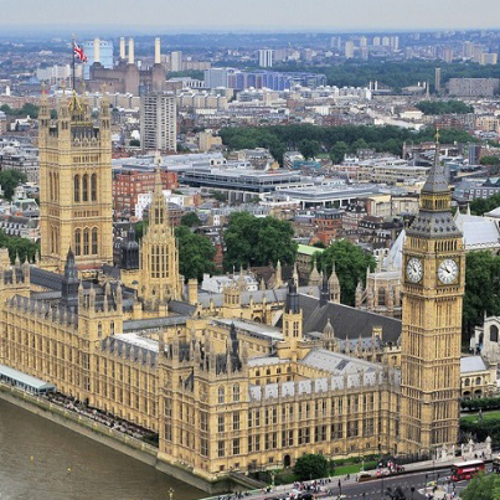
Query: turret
column 334, row 284
column 70, row 282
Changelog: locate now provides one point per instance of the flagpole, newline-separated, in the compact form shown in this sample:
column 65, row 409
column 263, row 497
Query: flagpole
column 73, row 63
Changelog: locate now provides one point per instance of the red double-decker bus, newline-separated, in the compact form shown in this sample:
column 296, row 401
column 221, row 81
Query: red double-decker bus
column 466, row 470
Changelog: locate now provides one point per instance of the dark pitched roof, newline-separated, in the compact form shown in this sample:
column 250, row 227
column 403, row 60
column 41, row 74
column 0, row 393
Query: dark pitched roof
column 346, row 321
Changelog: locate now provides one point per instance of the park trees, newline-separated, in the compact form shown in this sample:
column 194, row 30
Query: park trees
column 252, row 241
column 351, row 262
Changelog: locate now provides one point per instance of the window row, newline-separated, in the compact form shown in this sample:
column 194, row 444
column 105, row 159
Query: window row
column 86, row 241
column 85, row 187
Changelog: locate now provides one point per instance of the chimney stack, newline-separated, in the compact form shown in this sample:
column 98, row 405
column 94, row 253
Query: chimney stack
column 157, row 50
column 97, row 50
column 122, row 48
column 131, row 50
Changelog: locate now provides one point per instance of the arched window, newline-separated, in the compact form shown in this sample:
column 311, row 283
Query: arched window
column 78, row 242
column 236, row 393
column 478, row 380
column 76, row 188
column 56, row 186
column 493, row 333
column 93, row 187
column 381, row 296
column 467, row 382
column 86, row 241
column 220, row 394
column 85, row 188
column 94, row 241
column 99, row 329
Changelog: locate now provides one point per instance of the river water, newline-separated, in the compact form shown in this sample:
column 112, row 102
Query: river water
column 40, row 460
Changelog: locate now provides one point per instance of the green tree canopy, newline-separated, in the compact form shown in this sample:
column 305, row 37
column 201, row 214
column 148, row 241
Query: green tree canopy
column 482, row 487
column 338, row 151
column 351, row 262
column 482, row 288
column 480, row 206
column 490, row 160
column 444, row 107
column 9, row 180
column 308, row 149
column 252, row 241
column 190, row 219
column 22, row 247
column 196, row 254
column 310, row 466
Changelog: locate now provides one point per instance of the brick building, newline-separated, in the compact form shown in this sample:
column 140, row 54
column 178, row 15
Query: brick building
column 127, row 186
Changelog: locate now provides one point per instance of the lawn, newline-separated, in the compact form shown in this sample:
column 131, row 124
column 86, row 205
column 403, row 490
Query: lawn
column 353, row 469
column 490, row 415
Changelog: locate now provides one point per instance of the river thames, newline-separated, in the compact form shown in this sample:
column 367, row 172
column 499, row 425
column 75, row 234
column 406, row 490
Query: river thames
column 96, row 472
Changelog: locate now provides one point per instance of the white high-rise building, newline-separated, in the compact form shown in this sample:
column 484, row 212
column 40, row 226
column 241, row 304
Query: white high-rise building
column 158, row 121
column 266, row 58
column 176, row 61
column 349, row 49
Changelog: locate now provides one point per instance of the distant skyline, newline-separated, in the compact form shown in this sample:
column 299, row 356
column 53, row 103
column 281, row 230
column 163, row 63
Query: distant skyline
column 270, row 15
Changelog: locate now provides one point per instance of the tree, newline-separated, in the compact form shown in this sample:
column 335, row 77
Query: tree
column 338, row 152
column 310, row 466
column 196, row 254
column 482, row 288
column 479, row 206
column 9, row 180
column 490, row 160
column 190, row 219
column 19, row 247
column 351, row 263
column 482, row 487
column 252, row 241
column 308, row 149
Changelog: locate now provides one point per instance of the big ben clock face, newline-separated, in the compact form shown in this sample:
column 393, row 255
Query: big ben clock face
column 414, row 270
column 448, row 271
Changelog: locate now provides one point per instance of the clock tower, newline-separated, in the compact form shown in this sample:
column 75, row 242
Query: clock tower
column 433, row 289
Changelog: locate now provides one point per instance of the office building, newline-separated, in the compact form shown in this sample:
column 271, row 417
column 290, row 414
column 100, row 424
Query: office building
column 158, row 121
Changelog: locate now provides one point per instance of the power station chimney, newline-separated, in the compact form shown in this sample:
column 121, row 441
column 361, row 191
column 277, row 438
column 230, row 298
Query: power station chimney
column 97, row 50
column 157, row 50
column 131, row 50
column 122, row 48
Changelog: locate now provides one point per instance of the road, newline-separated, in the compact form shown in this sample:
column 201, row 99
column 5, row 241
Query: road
column 376, row 488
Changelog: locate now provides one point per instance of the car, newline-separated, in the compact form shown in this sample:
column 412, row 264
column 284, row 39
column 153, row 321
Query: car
column 306, row 496
column 364, row 476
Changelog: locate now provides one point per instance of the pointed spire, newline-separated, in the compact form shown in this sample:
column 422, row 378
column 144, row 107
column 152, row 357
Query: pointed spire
column 296, row 274
column 436, row 181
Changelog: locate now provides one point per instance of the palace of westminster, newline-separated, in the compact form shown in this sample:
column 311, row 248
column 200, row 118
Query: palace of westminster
column 235, row 381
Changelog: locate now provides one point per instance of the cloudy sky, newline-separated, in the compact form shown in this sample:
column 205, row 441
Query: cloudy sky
column 247, row 14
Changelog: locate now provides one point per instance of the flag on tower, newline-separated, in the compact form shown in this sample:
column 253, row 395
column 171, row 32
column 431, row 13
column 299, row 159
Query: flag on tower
column 79, row 53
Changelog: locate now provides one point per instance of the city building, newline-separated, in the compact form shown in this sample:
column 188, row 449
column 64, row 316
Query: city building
column 128, row 185
column 266, row 58
column 176, row 61
column 473, row 87
column 158, row 121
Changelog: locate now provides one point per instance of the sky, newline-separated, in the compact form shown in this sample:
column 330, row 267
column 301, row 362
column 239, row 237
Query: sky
column 282, row 15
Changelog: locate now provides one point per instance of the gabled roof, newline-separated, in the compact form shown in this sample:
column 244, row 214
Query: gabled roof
column 346, row 321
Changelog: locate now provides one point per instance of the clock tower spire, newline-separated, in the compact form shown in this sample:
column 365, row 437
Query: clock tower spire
column 433, row 288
